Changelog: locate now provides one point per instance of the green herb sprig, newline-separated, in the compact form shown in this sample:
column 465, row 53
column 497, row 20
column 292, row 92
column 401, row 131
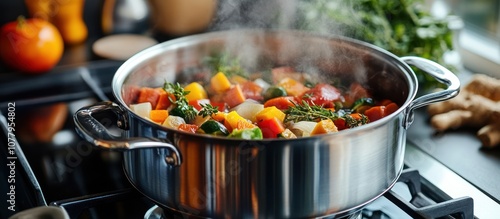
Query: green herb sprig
column 402, row 27
column 207, row 110
column 225, row 63
column 315, row 113
column 182, row 107
column 306, row 112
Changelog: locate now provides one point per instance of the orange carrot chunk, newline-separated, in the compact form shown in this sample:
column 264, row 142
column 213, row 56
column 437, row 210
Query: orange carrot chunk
column 158, row 115
column 234, row 96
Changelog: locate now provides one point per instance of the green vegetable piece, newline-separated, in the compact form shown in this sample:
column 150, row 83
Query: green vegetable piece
column 184, row 111
column 249, row 134
column 365, row 101
column 214, row 128
column 273, row 92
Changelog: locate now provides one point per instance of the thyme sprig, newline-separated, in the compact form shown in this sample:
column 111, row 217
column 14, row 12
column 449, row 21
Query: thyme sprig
column 207, row 110
column 306, row 112
column 352, row 122
column 316, row 113
column 182, row 107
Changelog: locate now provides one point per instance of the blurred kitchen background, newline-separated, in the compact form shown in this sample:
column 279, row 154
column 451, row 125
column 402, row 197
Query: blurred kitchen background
column 478, row 38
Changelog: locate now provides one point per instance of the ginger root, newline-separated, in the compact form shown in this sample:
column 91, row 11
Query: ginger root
column 476, row 106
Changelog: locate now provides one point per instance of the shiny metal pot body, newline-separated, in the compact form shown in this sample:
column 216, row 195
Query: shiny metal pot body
column 327, row 175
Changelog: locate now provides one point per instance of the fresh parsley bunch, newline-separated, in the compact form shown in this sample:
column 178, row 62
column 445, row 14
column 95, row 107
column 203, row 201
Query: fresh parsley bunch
column 403, row 27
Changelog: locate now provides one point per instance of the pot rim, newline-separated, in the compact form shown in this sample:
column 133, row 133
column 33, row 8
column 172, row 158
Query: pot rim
column 133, row 62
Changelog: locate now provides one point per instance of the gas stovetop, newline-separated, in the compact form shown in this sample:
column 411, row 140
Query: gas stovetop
column 66, row 171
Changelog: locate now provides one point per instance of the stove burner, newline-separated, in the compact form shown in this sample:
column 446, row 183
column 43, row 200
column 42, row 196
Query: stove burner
column 156, row 212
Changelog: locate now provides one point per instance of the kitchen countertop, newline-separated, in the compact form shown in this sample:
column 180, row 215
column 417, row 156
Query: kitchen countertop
column 461, row 151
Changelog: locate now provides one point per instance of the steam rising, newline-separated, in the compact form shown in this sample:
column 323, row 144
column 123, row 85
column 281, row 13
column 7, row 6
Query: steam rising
column 301, row 43
column 303, row 15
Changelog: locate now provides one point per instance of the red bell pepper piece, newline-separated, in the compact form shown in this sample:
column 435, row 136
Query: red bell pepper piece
column 271, row 127
column 281, row 103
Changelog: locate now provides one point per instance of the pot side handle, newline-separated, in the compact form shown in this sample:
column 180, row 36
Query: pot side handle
column 441, row 74
column 94, row 132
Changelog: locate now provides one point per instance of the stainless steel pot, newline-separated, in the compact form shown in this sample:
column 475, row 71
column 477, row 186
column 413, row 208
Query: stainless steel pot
column 205, row 176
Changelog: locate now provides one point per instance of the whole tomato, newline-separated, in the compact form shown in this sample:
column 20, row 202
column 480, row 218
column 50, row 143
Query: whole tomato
column 30, row 45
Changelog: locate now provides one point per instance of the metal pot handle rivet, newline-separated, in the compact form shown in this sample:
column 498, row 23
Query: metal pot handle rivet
column 94, row 132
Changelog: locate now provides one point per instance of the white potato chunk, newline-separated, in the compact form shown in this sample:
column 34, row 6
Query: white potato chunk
column 142, row 109
column 248, row 109
column 303, row 128
column 173, row 122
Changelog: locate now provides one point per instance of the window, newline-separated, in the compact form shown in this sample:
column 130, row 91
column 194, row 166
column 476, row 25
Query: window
column 479, row 39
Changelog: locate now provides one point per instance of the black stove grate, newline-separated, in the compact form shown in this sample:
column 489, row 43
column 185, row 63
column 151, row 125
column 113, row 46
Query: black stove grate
column 420, row 206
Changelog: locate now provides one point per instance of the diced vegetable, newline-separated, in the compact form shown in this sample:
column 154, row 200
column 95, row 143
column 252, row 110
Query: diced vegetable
column 234, row 96
column 196, row 91
column 142, row 109
column 150, row 95
column 248, row 109
column 322, row 95
column 221, row 106
column 173, row 122
column 263, row 84
column 184, row 112
column 281, row 103
column 165, row 100
column 270, row 112
column 324, row 127
column 197, row 104
column 377, row 112
column 238, row 79
column 158, row 116
column 303, row 128
column 273, row 92
column 350, row 121
column 271, row 128
column 130, row 93
column 249, row 134
column 199, row 120
column 214, row 128
column 220, row 116
column 235, row 121
column 252, row 91
column 220, row 83
column 355, row 92
column 292, row 87
column 188, row 127
column 341, row 124
column 361, row 103
column 287, row 134
column 390, row 108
